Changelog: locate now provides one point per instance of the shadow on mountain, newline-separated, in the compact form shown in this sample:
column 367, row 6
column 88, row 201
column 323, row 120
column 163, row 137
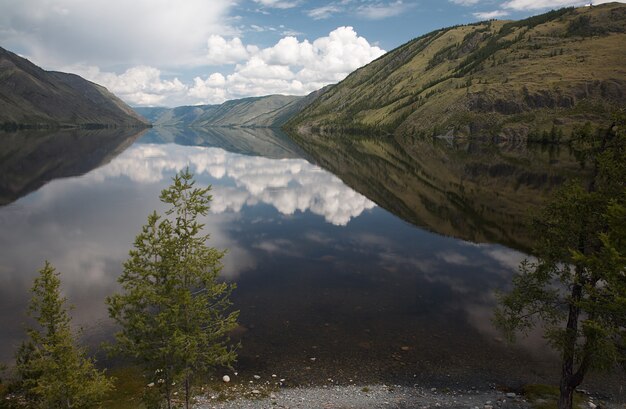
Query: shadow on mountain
column 476, row 191
column 30, row 159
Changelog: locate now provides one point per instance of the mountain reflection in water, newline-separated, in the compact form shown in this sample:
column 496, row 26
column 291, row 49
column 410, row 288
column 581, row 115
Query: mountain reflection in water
column 321, row 271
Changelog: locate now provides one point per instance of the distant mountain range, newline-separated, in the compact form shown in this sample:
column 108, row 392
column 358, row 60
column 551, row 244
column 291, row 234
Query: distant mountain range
column 31, row 96
column 515, row 79
column 507, row 78
column 270, row 111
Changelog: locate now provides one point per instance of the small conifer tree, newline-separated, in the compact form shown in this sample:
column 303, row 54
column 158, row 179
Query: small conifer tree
column 173, row 313
column 53, row 371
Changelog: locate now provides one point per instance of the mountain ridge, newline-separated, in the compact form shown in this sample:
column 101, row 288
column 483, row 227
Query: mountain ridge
column 33, row 97
column 270, row 111
column 495, row 78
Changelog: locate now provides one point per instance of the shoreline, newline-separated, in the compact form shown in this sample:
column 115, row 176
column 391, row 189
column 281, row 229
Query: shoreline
column 261, row 395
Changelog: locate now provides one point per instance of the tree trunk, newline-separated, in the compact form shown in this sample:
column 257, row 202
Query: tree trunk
column 187, row 392
column 567, row 385
column 566, row 396
column 168, row 394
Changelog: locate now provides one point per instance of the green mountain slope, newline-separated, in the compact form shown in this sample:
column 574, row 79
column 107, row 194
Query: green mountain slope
column 270, row 111
column 561, row 69
column 34, row 97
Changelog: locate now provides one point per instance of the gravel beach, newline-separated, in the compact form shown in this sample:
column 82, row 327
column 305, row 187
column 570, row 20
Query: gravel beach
column 376, row 396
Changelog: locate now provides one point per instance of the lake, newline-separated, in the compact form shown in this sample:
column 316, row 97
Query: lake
column 357, row 261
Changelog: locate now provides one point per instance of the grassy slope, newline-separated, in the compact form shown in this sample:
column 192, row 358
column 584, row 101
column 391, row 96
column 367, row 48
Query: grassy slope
column 492, row 78
column 268, row 111
column 32, row 96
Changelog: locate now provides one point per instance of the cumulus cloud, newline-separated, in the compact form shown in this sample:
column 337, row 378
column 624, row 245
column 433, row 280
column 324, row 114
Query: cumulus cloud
column 139, row 85
column 222, row 51
column 289, row 185
column 107, row 33
column 290, row 67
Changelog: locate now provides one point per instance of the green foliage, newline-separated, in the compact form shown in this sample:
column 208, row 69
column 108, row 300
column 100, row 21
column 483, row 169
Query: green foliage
column 53, row 372
column 554, row 137
column 581, row 26
column 534, row 21
column 173, row 313
column 576, row 288
column 546, row 396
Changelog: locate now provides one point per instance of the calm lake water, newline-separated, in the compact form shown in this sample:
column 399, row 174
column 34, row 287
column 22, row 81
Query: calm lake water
column 322, row 271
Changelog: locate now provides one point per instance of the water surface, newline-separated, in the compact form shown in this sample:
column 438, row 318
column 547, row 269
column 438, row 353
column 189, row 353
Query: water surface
column 330, row 285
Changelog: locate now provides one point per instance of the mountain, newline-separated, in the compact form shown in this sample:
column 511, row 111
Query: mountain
column 33, row 97
column 31, row 158
column 270, row 111
column 508, row 78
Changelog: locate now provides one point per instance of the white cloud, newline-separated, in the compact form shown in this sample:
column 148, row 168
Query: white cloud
column 278, row 4
column 109, row 33
column 139, row 85
column 290, row 67
column 465, row 2
column 379, row 11
column 488, row 15
column 222, row 51
column 323, row 12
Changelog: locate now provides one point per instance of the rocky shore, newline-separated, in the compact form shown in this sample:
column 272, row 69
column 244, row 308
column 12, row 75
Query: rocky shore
column 265, row 395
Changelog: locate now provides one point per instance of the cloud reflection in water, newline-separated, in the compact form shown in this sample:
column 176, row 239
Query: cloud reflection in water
column 289, row 185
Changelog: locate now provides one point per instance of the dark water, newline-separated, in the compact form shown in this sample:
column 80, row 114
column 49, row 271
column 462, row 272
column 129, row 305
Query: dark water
column 322, row 271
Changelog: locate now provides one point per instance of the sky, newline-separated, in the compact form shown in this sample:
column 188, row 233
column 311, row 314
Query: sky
column 191, row 52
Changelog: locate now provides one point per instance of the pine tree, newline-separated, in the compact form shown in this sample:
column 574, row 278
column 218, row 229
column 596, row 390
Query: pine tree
column 173, row 313
column 577, row 286
column 53, row 371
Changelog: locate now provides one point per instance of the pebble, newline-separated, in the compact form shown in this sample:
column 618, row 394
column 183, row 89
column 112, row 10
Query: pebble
column 257, row 377
column 151, row 384
column 226, row 378
column 377, row 396
column 511, row 395
column 592, row 405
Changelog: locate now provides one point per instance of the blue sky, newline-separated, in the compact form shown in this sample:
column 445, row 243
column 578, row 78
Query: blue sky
column 170, row 53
